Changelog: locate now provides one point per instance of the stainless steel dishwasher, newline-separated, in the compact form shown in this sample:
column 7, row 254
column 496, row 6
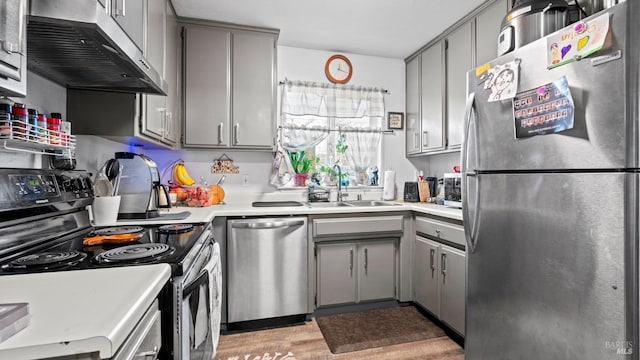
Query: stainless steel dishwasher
column 266, row 268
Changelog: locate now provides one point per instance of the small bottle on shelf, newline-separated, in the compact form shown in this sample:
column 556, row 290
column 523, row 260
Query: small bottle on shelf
column 6, row 107
column 53, row 125
column 43, row 136
column 20, row 121
column 33, row 125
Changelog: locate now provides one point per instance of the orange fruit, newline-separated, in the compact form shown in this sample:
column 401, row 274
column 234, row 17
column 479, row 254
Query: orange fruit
column 217, row 194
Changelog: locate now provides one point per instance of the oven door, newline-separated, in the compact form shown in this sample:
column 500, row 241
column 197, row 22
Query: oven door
column 198, row 303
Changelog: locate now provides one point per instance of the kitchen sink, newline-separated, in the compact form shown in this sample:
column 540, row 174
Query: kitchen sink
column 353, row 203
column 369, row 203
column 326, row 204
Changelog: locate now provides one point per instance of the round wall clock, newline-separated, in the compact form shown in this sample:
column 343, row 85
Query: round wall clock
column 338, row 69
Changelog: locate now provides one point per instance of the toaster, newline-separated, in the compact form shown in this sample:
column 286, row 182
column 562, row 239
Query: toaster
column 411, row 191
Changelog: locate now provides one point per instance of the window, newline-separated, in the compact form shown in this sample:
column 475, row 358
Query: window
column 337, row 124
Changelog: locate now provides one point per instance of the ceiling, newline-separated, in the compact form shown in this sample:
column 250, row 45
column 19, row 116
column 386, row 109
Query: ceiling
column 387, row 28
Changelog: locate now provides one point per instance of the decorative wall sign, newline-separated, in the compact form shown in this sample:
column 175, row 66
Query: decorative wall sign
column 396, row 120
column 224, row 165
column 577, row 41
column 544, row 110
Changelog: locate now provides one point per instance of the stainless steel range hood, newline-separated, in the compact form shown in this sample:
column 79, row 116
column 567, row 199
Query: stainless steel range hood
column 77, row 44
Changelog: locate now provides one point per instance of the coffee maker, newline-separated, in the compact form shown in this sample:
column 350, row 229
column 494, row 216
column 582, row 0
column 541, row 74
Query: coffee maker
column 141, row 193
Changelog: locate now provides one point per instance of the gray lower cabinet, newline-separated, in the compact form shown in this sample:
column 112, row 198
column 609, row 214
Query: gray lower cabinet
column 352, row 272
column 439, row 278
column 452, row 287
column 230, row 87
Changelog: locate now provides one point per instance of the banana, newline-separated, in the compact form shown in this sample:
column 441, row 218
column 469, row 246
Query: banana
column 176, row 173
column 182, row 175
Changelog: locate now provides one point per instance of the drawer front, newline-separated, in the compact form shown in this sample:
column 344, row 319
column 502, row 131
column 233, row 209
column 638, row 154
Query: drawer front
column 357, row 225
column 441, row 230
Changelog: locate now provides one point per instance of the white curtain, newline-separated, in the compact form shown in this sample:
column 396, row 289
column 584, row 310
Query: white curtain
column 309, row 111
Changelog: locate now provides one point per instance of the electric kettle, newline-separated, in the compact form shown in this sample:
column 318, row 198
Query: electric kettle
column 140, row 190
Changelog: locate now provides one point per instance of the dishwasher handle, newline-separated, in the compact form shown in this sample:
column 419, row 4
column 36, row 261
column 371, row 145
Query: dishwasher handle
column 266, row 225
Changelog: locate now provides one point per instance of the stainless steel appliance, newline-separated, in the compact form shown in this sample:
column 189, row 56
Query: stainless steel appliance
column 530, row 20
column 141, row 193
column 43, row 227
column 551, row 220
column 97, row 54
column 266, row 269
column 453, row 189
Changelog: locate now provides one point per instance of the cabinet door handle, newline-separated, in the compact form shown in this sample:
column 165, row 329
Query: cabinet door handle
column 236, row 129
column 443, row 261
column 416, row 141
column 425, row 139
column 432, row 253
column 169, row 124
column 120, row 9
column 366, row 260
column 351, row 262
column 220, row 129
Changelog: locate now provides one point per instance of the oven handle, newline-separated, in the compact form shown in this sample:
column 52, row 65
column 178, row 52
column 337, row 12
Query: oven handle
column 202, row 279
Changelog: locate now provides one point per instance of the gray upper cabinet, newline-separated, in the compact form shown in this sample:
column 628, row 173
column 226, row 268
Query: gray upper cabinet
column 13, row 47
column 436, row 77
column 413, row 105
column 130, row 15
column 146, row 120
column 424, row 101
column 487, row 31
column 160, row 120
column 230, row 87
column 432, row 97
column 253, row 89
column 459, row 61
column 155, row 119
column 207, row 80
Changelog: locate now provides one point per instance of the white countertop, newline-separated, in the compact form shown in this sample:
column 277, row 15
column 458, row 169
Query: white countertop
column 207, row 214
column 80, row 311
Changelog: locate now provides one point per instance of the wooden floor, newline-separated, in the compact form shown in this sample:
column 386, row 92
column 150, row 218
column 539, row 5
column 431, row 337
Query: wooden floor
column 306, row 342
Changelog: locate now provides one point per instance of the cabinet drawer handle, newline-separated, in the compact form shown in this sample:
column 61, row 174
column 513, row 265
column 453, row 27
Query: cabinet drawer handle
column 432, row 254
column 443, row 261
column 236, row 129
column 220, row 128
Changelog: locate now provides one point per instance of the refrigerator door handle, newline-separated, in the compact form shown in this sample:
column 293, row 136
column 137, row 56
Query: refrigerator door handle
column 470, row 225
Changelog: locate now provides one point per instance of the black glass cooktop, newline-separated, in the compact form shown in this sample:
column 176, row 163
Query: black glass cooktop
column 123, row 247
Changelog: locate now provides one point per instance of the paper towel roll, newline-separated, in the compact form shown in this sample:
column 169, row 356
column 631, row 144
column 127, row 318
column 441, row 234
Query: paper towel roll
column 389, row 186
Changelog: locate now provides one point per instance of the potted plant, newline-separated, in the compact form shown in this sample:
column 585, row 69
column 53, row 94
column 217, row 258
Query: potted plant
column 301, row 165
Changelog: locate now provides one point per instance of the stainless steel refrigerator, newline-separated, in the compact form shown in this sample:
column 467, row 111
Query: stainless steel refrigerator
column 552, row 220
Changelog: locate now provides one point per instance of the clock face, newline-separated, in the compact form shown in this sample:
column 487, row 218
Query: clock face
column 338, row 69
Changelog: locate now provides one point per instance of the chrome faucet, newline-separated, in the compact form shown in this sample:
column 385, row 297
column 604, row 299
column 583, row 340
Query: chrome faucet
column 340, row 194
